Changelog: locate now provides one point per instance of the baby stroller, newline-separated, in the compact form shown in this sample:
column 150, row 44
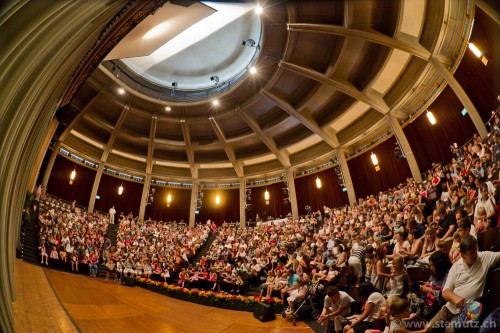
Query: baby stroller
column 306, row 303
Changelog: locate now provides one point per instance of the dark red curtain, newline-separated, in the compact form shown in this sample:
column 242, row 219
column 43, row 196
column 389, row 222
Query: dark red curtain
column 228, row 210
column 59, row 186
column 431, row 143
column 276, row 207
column 129, row 201
column 392, row 172
column 179, row 205
column 330, row 194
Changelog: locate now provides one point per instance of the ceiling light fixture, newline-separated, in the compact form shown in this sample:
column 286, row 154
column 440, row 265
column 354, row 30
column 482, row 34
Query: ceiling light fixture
column 217, row 200
column 120, row 189
column 168, row 108
column 249, row 42
column 258, row 9
column 214, row 79
column 215, row 102
column 478, row 53
column 253, row 70
column 121, row 91
column 169, row 200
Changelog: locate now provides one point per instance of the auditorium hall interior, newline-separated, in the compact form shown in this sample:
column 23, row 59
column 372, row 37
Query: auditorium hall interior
column 249, row 166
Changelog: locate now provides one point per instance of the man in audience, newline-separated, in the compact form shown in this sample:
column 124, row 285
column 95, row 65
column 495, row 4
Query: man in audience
column 465, row 283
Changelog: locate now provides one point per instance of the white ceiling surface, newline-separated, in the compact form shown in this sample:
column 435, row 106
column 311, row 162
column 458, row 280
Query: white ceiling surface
column 171, row 19
column 194, row 47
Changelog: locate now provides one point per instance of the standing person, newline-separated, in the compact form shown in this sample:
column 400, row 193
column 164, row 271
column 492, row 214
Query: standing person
column 112, row 212
column 337, row 305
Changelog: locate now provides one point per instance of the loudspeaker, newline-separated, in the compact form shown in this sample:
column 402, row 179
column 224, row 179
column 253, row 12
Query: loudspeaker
column 264, row 312
column 128, row 281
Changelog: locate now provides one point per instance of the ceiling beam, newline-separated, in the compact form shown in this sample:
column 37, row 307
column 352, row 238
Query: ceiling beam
column 189, row 150
column 268, row 141
column 373, row 100
column 238, row 167
column 151, row 144
column 409, row 46
column 79, row 116
column 114, row 133
column 305, row 119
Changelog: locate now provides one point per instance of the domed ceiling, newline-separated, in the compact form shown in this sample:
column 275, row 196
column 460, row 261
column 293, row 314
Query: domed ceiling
column 328, row 76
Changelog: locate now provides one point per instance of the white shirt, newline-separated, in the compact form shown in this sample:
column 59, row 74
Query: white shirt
column 112, row 211
column 343, row 302
column 378, row 301
column 469, row 282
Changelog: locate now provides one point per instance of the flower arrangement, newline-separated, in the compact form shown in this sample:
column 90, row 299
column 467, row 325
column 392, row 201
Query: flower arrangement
column 236, row 302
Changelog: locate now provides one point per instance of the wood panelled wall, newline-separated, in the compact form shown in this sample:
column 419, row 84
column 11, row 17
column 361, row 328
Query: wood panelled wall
column 330, row 194
column 367, row 181
column 179, row 206
column 128, row 202
column 59, row 186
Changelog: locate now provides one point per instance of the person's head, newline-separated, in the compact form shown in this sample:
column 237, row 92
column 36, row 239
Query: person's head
column 381, row 252
column 430, row 233
column 399, row 236
column 398, row 307
column 463, row 227
column 366, row 289
column 440, row 264
column 333, row 293
column 398, row 263
column 468, row 250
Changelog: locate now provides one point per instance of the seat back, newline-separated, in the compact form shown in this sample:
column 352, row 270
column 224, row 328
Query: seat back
column 415, row 273
column 489, row 240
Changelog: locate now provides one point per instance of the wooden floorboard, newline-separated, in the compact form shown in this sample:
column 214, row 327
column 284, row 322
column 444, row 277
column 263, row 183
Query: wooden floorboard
column 95, row 306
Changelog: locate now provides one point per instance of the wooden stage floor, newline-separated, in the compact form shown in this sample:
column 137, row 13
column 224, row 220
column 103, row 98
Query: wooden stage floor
column 53, row 301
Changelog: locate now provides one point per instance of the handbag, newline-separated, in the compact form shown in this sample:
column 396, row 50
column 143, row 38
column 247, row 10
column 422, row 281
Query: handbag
column 110, row 265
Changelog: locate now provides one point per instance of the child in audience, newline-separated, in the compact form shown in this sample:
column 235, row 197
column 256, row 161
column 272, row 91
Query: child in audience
column 396, row 284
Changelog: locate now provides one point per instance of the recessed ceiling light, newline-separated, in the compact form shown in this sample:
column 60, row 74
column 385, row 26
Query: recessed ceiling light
column 215, row 102
column 258, row 10
column 253, row 70
column 121, row 91
column 168, row 108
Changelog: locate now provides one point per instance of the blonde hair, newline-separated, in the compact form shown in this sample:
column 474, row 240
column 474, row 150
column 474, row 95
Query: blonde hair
column 399, row 261
column 395, row 306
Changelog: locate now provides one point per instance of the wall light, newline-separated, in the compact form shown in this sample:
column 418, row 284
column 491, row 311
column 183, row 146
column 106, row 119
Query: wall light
column 217, row 200
column 121, row 91
column 72, row 176
column 253, row 70
column 478, row 53
column 215, row 102
column 431, row 118
column 374, row 159
column 169, row 200
column 318, row 182
column 475, row 50
column 120, row 190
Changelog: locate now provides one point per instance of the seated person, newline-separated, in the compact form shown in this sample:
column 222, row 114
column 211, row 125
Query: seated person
column 465, row 282
column 337, row 305
column 297, row 292
column 291, row 283
column 374, row 303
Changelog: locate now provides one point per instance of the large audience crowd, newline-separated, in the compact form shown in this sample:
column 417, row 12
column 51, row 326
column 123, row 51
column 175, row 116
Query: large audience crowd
column 366, row 251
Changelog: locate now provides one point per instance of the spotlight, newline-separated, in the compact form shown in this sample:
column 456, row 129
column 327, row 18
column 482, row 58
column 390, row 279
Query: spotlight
column 121, row 91
column 253, row 70
column 214, row 79
column 249, row 42
column 215, row 102
column 258, row 9
column 174, row 84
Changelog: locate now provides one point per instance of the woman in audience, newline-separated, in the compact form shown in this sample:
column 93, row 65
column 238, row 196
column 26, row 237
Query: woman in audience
column 399, row 283
column 440, row 265
column 378, row 272
column 374, row 301
column 429, row 243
